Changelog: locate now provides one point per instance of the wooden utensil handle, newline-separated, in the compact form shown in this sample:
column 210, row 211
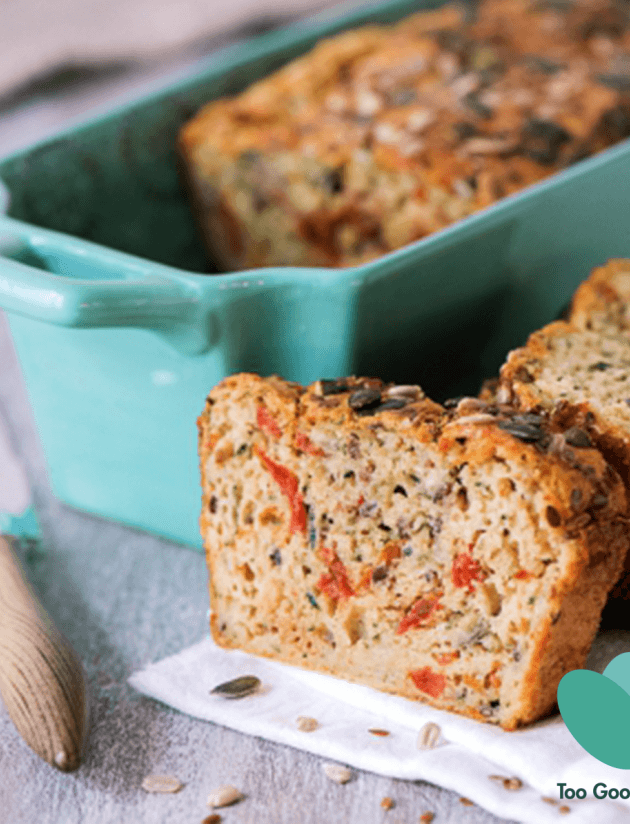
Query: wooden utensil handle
column 41, row 677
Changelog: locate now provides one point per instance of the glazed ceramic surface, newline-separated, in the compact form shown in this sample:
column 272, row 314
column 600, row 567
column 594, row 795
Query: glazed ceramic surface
column 121, row 331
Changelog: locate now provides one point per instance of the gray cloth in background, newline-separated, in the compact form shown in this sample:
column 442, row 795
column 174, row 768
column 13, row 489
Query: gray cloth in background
column 122, row 597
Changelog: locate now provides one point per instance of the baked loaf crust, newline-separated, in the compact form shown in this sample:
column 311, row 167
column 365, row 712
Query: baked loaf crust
column 578, row 370
column 602, row 302
column 460, row 557
column 578, row 373
column 384, row 134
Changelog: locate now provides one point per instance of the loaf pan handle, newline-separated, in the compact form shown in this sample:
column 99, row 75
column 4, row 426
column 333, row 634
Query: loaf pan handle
column 124, row 291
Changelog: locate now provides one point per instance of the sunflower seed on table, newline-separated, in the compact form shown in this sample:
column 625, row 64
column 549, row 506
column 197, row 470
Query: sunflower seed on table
column 307, row 724
column 224, row 795
column 161, row 784
column 512, row 783
column 379, row 732
column 213, row 818
column 429, row 736
column 237, row 687
column 337, row 773
column 387, row 803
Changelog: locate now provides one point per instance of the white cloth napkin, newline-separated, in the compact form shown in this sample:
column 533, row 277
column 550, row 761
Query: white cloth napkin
column 540, row 756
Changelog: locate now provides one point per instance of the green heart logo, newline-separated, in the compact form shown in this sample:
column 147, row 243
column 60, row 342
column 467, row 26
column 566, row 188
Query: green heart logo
column 596, row 710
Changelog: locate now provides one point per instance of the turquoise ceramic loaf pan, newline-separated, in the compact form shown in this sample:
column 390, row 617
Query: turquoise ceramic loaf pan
column 121, row 334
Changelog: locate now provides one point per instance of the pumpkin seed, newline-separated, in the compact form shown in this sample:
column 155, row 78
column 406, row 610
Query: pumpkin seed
column 238, row 687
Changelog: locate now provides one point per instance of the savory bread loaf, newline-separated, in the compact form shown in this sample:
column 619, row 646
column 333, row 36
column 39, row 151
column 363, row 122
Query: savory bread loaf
column 382, row 135
column 457, row 556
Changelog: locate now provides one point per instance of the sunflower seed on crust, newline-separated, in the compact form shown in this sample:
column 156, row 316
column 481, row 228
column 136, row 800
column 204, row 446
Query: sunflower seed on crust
column 161, row 784
column 237, row 687
column 527, row 432
column 364, row 398
column 224, row 795
column 337, row 773
column 403, row 391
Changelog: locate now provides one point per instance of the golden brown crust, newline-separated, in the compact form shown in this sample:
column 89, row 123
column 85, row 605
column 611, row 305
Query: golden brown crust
column 382, row 135
column 601, row 301
column 518, row 540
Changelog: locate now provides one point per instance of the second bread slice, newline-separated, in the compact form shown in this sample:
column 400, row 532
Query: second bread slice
column 459, row 557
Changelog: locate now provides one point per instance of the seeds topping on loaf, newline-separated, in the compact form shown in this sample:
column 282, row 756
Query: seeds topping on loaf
column 385, row 134
column 459, row 556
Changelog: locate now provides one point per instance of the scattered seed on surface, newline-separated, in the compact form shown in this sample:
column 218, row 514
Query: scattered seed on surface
column 512, row 783
column 161, row 784
column 429, row 736
column 213, row 818
column 382, row 733
column 307, row 724
column 564, row 809
column 549, row 800
column 238, row 687
column 224, row 795
column 466, row 802
column 387, row 803
column 337, row 773
column 427, row 818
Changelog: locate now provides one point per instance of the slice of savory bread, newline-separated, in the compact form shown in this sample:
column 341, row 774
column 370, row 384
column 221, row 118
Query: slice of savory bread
column 458, row 556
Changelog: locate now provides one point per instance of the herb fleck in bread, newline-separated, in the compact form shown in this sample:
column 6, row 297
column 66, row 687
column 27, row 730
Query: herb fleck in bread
column 460, row 557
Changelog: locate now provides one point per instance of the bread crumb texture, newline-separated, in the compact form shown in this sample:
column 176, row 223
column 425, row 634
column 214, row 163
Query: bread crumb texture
column 459, row 556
